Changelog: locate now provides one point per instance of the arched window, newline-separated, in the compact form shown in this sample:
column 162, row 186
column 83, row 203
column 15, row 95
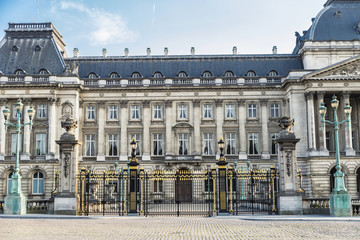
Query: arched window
column 43, row 72
column 135, row 75
column 250, row 74
column 38, row 183
column 9, row 183
column 273, row 73
column 114, row 75
column 92, row 75
column 206, row 74
column 19, row 72
column 229, row 74
column 158, row 75
column 15, row 48
column 358, row 180
column 332, row 179
column 182, row 75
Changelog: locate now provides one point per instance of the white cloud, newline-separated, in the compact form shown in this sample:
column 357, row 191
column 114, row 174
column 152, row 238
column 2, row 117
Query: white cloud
column 107, row 27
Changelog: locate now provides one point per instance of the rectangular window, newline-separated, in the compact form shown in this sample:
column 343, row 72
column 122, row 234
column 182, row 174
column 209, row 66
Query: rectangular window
column 9, row 183
column 113, row 144
column 90, row 112
column 158, row 144
column 90, row 145
column 252, row 110
column 138, row 140
column 253, row 140
column 182, row 111
column 157, row 112
column 40, row 144
column 41, row 111
column 230, row 143
column 38, row 183
column 13, row 143
column 183, row 143
column 208, row 144
column 135, row 112
column 274, row 110
column 208, row 111
column 328, row 141
column 113, row 112
column 274, row 147
column 158, row 185
column 230, row 111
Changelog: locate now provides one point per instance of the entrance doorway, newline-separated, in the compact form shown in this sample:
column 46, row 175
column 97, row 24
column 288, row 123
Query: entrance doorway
column 183, row 186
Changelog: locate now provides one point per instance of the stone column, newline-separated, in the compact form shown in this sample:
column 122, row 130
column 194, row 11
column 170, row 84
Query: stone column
column 168, row 125
column 349, row 150
column 265, row 154
column 123, row 132
column 52, row 128
column 26, row 132
column 219, row 120
column 323, row 151
column 66, row 200
column 101, row 131
column 242, row 130
column 289, row 199
column 2, row 129
column 197, row 133
column 311, row 123
column 146, row 130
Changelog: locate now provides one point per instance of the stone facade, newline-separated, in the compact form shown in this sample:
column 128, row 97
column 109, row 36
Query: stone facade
column 178, row 107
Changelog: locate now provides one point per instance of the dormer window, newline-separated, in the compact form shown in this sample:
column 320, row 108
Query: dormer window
column 19, row 72
column 44, row 72
column 114, row 75
column 251, row 74
column 37, row 48
column 92, row 75
column 229, row 74
column 206, row 74
column 182, row 75
column 15, row 48
column 158, row 75
column 135, row 75
column 273, row 73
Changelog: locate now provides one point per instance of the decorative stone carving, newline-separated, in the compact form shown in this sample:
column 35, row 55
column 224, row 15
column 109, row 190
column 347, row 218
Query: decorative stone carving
column 67, row 109
column 286, row 123
column 263, row 102
column 69, row 125
column 146, row 104
column 52, row 100
column 350, row 70
column 168, row 103
column 196, row 103
column 288, row 162
column 72, row 69
column 218, row 102
column 66, row 165
column 309, row 95
column 101, row 104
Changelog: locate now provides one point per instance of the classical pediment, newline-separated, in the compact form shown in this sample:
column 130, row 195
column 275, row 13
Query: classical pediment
column 348, row 69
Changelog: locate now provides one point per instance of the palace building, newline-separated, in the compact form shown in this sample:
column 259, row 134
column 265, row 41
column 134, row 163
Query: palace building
column 178, row 107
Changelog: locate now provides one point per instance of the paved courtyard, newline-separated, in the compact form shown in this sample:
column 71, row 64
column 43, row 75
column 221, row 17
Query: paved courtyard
column 177, row 228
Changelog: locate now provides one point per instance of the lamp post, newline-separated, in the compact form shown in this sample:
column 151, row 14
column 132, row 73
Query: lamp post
column 222, row 178
column 133, row 165
column 340, row 200
column 15, row 202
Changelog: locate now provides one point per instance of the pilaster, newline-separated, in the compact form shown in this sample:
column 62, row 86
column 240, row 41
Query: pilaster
column 26, row 135
column 349, row 150
column 101, row 131
column 323, row 151
column 146, row 131
column 3, row 102
column 52, row 127
column 219, row 119
column 311, row 123
column 265, row 154
column 168, row 126
column 197, row 133
column 242, row 129
column 123, row 131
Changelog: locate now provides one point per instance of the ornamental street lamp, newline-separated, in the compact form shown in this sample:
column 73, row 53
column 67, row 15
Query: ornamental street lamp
column 15, row 202
column 222, row 177
column 340, row 201
column 133, row 165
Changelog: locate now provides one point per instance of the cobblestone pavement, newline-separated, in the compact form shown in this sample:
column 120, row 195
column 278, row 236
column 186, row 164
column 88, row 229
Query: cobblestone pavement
column 174, row 228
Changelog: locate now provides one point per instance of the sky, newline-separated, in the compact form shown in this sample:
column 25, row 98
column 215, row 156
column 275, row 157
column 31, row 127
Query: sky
column 211, row 26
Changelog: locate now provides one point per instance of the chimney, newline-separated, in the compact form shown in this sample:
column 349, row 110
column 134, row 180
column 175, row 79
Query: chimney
column 274, row 50
column 148, row 52
column 166, row 51
column 76, row 52
column 192, row 50
column 126, row 52
column 234, row 50
column 104, row 52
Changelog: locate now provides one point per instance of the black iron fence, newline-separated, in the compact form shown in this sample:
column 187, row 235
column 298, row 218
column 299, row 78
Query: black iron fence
column 181, row 192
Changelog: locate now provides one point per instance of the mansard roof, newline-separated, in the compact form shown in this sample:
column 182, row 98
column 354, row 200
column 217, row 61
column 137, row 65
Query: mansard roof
column 32, row 47
column 194, row 66
column 339, row 20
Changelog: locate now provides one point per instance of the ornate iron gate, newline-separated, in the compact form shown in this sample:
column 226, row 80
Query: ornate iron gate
column 181, row 192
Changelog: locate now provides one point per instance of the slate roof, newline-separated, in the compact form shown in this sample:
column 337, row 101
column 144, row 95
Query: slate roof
column 194, row 66
column 18, row 50
column 337, row 21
